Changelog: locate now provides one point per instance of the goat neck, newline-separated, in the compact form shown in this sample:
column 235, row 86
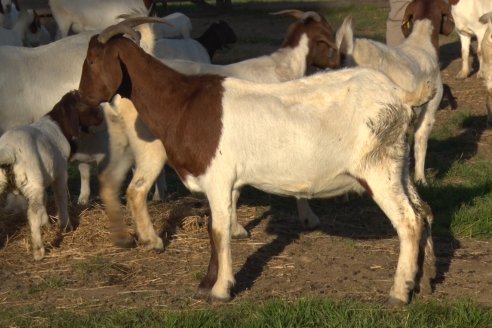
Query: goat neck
column 184, row 112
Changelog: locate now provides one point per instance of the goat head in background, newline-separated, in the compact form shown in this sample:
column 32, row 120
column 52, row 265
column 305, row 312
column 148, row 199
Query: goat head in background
column 438, row 11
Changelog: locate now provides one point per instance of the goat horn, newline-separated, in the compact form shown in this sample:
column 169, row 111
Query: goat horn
column 290, row 12
column 314, row 15
column 126, row 26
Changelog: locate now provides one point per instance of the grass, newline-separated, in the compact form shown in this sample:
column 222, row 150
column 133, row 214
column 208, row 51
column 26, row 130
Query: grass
column 301, row 313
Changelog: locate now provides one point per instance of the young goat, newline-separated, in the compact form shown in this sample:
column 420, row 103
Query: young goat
column 318, row 136
column 410, row 64
column 309, row 42
column 34, row 157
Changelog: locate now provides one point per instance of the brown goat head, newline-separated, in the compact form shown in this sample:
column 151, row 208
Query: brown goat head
column 102, row 72
column 323, row 50
column 73, row 115
column 438, row 11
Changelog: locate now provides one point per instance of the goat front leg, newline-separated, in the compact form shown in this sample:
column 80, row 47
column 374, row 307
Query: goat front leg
column 465, row 56
column 61, row 199
column 110, row 181
column 85, row 187
column 237, row 230
column 220, row 266
column 489, row 106
column 160, row 187
column 306, row 214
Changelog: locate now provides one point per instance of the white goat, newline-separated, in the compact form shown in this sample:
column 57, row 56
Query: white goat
column 466, row 14
column 409, row 65
column 486, row 65
column 223, row 133
column 34, row 79
column 180, row 27
column 309, row 41
column 84, row 15
column 34, row 157
column 8, row 13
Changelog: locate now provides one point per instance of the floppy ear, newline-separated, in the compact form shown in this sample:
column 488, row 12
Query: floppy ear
column 65, row 114
column 407, row 22
column 447, row 21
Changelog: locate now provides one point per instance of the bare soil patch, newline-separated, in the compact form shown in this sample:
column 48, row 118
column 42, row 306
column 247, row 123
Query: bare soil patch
column 352, row 254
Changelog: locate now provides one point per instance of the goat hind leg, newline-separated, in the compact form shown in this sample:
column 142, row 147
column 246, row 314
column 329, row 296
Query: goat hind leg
column 143, row 178
column 36, row 214
column 398, row 207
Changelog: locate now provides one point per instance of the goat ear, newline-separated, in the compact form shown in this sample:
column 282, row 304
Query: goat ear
column 447, row 25
column 407, row 25
column 345, row 37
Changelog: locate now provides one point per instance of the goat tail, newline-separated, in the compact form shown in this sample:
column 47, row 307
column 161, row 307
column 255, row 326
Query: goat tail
column 421, row 95
column 7, row 156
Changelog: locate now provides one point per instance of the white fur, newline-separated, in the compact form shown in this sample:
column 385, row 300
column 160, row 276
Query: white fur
column 180, row 27
column 409, row 65
column 486, row 66
column 84, row 15
column 21, row 35
column 466, row 14
column 37, row 155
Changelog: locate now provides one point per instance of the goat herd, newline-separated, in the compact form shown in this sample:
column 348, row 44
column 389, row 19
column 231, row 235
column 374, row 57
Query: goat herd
column 139, row 92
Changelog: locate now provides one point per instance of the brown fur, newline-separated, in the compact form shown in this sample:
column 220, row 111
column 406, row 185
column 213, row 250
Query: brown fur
column 321, row 40
column 184, row 112
column 438, row 11
column 213, row 266
column 72, row 115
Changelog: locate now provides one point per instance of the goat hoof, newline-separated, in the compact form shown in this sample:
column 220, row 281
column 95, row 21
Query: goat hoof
column 461, row 75
column 38, row 254
column 240, row 232
column 425, row 288
column 395, row 302
column 202, row 293
column 125, row 242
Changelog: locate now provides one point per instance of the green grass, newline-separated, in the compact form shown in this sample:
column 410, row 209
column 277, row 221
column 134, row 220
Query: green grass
column 301, row 313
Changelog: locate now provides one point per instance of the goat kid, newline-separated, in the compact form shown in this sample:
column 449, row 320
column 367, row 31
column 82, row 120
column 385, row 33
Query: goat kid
column 410, row 64
column 223, row 133
column 309, row 41
column 34, row 157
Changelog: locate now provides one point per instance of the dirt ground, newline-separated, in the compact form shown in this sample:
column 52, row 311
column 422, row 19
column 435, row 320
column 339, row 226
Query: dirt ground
column 353, row 253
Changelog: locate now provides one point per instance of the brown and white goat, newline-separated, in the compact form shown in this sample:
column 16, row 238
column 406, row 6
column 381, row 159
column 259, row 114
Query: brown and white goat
column 34, row 157
column 309, row 42
column 318, row 136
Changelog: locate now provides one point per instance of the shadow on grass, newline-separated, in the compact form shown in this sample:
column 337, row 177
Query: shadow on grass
column 443, row 154
column 360, row 218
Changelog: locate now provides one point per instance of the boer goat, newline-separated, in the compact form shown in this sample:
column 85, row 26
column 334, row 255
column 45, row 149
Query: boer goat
column 34, row 157
column 466, row 14
column 309, row 42
column 410, row 64
column 319, row 136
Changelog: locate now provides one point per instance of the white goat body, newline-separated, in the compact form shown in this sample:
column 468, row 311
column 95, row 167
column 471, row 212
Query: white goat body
column 37, row 158
column 409, row 65
column 84, row 15
column 180, row 27
column 466, row 14
column 486, row 65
